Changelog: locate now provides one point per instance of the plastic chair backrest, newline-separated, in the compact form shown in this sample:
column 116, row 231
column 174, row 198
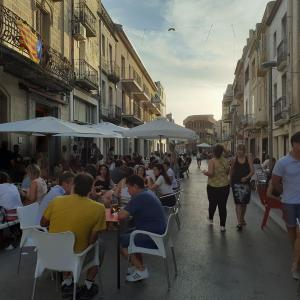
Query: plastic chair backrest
column 170, row 222
column 55, row 250
column 28, row 214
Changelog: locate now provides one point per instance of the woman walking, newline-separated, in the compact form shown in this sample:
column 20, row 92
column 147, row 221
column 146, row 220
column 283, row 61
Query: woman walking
column 240, row 174
column 218, row 185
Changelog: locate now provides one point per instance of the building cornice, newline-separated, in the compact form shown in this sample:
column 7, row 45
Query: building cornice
column 273, row 12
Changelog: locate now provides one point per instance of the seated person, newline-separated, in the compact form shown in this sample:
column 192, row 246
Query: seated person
column 64, row 187
column 163, row 186
column 85, row 218
column 103, row 180
column 171, row 174
column 141, row 171
column 38, row 187
column 148, row 215
column 9, row 197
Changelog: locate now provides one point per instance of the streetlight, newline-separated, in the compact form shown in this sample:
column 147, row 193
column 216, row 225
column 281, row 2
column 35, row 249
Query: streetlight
column 269, row 65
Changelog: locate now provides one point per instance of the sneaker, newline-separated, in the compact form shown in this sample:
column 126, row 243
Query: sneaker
column 10, row 247
column 138, row 275
column 210, row 221
column 130, row 270
column 67, row 291
column 222, row 228
column 86, row 294
column 239, row 227
column 296, row 275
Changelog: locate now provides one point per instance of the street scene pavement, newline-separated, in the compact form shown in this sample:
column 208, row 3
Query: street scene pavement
column 252, row 264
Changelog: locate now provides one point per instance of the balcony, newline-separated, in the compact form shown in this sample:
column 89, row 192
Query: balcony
column 143, row 95
column 112, row 70
column 133, row 115
column 46, row 68
column 226, row 118
column 114, row 114
column 282, row 55
column 132, row 85
column 85, row 75
column 238, row 91
column 281, row 111
column 84, row 15
column 248, row 121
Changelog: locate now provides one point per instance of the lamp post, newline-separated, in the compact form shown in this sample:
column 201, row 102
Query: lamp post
column 269, row 65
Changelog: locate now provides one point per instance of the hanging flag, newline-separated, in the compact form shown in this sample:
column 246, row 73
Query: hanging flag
column 29, row 41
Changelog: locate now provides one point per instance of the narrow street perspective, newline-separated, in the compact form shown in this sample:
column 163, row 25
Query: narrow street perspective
column 149, row 150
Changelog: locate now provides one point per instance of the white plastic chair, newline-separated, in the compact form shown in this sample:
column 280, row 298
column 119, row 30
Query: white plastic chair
column 55, row 252
column 161, row 241
column 27, row 216
column 177, row 205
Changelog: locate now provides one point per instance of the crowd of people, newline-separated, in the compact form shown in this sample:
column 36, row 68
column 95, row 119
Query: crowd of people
column 282, row 184
column 76, row 199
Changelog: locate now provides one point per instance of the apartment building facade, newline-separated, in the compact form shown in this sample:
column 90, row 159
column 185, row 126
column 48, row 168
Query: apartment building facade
column 68, row 59
column 275, row 39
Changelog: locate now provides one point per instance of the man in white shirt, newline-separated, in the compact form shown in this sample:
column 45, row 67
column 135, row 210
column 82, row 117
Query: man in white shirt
column 9, row 194
column 171, row 174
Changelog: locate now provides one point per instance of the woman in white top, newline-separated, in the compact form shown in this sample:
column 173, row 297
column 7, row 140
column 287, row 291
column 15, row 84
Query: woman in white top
column 163, row 186
column 38, row 187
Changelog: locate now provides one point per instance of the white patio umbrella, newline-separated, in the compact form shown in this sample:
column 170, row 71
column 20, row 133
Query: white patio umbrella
column 161, row 128
column 204, row 145
column 47, row 126
column 110, row 127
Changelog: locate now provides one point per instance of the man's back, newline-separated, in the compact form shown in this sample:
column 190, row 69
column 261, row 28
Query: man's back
column 289, row 169
column 77, row 214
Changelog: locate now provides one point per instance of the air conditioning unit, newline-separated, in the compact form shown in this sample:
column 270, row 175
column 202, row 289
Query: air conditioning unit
column 79, row 31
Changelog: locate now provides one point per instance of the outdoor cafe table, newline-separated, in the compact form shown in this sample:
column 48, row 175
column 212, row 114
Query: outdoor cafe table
column 115, row 219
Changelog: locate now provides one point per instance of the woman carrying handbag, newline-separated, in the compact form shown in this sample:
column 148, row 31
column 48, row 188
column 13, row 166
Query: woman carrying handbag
column 240, row 174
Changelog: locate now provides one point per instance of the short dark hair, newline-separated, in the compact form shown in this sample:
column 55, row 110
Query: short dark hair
column 66, row 177
column 119, row 163
column 135, row 180
column 218, row 150
column 4, row 177
column 83, row 184
column 167, row 163
column 295, row 138
column 91, row 169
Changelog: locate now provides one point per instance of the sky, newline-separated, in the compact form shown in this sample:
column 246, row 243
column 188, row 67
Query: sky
column 197, row 60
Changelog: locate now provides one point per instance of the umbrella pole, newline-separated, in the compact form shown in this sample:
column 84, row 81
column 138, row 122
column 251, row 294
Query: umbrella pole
column 160, row 146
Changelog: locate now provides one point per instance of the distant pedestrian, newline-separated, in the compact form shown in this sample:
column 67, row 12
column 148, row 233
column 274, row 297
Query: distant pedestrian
column 198, row 157
column 286, row 180
column 240, row 174
column 218, row 186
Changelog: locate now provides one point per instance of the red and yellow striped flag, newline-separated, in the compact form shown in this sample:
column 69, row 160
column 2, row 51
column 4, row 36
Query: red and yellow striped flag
column 28, row 41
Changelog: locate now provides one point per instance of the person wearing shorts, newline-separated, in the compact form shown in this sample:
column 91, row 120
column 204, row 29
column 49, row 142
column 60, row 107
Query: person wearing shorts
column 285, row 180
column 148, row 215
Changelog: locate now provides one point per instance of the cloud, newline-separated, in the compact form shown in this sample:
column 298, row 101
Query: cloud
column 197, row 61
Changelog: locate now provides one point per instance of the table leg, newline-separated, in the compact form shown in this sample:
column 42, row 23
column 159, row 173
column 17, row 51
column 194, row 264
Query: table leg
column 118, row 257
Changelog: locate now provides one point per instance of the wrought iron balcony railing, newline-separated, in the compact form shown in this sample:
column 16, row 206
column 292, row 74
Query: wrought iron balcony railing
column 114, row 113
column 111, row 69
column 85, row 75
column 85, row 16
column 281, row 112
column 49, row 60
column 282, row 54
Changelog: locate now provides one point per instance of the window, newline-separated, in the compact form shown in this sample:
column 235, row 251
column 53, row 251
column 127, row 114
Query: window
column 275, row 44
column 253, row 73
column 110, row 56
column 84, row 112
column 123, row 102
column 247, row 75
column 103, row 85
column 103, row 45
column 43, row 24
column 284, row 28
column 275, row 92
column 110, row 96
column 123, row 66
column 283, row 83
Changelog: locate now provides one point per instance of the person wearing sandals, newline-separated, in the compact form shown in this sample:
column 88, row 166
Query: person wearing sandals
column 240, row 175
column 218, row 186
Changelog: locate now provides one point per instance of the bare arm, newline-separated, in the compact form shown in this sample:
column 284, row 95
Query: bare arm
column 277, row 183
column 32, row 192
column 210, row 172
column 123, row 214
column 44, row 222
column 270, row 191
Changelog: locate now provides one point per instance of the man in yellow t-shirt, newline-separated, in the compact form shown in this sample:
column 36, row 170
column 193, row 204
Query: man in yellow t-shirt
column 85, row 218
